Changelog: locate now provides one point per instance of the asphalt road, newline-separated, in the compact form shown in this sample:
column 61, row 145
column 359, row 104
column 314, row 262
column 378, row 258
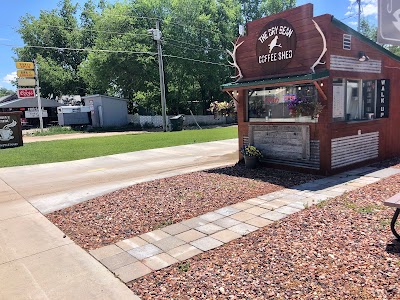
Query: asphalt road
column 49, row 187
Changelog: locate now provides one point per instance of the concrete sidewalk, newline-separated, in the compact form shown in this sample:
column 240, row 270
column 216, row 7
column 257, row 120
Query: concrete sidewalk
column 36, row 260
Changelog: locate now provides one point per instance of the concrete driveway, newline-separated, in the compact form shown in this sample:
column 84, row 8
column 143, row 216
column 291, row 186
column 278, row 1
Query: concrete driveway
column 36, row 260
column 49, row 187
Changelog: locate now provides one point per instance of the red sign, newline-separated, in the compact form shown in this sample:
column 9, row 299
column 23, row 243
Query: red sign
column 26, row 93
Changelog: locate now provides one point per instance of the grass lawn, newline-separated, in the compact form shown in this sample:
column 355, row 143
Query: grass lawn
column 67, row 150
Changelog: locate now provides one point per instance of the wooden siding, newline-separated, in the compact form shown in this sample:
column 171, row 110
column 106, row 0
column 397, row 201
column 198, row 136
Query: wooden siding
column 282, row 141
column 353, row 149
column 309, row 43
column 352, row 64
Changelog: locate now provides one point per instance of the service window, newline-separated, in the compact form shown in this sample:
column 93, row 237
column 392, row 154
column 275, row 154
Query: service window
column 272, row 103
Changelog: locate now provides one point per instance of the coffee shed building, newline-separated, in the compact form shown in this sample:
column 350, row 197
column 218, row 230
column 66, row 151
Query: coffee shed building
column 313, row 93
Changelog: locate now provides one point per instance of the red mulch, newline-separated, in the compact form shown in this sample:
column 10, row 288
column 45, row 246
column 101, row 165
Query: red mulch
column 339, row 249
column 143, row 207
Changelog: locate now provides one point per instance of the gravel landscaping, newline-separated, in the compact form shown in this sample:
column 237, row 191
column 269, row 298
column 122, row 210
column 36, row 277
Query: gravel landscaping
column 339, row 249
column 143, row 207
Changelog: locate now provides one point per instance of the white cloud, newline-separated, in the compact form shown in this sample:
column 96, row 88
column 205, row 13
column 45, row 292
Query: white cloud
column 10, row 77
column 368, row 8
column 352, row 23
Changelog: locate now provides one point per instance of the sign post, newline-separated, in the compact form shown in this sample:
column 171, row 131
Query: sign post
column 28, row 77
column 38, row 97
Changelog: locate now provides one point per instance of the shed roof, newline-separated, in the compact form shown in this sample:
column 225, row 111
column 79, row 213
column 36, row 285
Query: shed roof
column 103, row 96
column 272, row 81
column 8, row 98
column 29, row 102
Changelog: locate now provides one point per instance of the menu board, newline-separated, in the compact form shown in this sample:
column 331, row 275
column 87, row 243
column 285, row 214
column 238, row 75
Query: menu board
column 338, row 101
column 369, row 96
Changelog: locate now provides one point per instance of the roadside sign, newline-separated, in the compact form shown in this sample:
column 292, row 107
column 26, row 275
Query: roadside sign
column 26, row 93
column 26, row 82
column 25, row 65
column 25, row 73
column 389, row 22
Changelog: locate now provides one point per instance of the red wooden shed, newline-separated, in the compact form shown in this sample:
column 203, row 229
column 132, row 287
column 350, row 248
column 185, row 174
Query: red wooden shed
column 292, row 64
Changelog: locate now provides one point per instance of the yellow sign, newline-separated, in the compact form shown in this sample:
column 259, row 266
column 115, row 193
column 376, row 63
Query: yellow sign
column 25, row 65
column 25, row 73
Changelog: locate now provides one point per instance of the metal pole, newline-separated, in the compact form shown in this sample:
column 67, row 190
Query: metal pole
column 359, row 15
column 38, row 96
column 161, row 70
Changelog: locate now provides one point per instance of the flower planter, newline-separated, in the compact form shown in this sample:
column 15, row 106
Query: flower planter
column 250, row 161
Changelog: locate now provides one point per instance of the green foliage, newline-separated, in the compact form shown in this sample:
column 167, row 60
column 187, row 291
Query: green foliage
column 5, row 92
column 58, row 69
column 371, row 31
column 270, row 7
column 55, row 130
column 250, row 151
column 55, row 151
column 184, row 267
column 222, row 108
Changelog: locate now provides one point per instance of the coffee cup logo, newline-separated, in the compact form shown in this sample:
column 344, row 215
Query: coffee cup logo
column 276, row 45
column 6, row 134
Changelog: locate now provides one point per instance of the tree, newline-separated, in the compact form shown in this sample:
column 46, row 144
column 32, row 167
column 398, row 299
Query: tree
column 58, row 68
column 5, row 92
column 371, row 31
column 270, row 7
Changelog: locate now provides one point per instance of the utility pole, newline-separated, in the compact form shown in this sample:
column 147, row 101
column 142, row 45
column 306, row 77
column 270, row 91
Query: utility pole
column 38, row 96
column 359, row 15
column 157, row 37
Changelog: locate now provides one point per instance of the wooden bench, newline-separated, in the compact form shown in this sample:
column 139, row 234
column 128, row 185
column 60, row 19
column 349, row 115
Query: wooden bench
column 394, row 202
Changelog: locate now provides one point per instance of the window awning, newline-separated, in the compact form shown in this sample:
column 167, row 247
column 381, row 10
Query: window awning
column 294, row 79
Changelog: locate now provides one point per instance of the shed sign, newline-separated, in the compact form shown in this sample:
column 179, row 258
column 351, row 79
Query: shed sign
column 276, row 45
column 382, row 103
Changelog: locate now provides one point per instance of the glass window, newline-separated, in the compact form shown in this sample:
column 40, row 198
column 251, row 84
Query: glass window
column 272, row 103
column 353, row 99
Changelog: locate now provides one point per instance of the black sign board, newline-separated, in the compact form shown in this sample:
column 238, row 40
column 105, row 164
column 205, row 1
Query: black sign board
column 10, row 130
column 276, row 45
column 369, row 96
column 382, row 101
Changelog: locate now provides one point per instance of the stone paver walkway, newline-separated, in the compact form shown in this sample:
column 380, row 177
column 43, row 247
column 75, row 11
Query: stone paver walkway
column 135, row 257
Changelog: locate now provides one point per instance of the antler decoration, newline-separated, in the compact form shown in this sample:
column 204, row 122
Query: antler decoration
column 234, row 63
column 324, row 49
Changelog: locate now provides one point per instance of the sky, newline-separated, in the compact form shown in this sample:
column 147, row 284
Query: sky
column 12, row 10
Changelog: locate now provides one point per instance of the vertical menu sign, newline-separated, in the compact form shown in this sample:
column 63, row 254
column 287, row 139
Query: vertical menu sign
column 382, row 101
column 369, row 96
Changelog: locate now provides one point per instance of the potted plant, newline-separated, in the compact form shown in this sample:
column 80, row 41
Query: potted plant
column 251, row 155
column 305, row 107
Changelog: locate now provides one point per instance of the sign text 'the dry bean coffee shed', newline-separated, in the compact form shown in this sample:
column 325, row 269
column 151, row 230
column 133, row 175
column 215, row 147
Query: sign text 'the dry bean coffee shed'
column 276, row 46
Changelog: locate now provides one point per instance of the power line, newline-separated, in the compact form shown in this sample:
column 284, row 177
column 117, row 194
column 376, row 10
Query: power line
column 83, row 29
column 81, row 49
column 197, row 60
column 115, row 51
column 194, row 45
